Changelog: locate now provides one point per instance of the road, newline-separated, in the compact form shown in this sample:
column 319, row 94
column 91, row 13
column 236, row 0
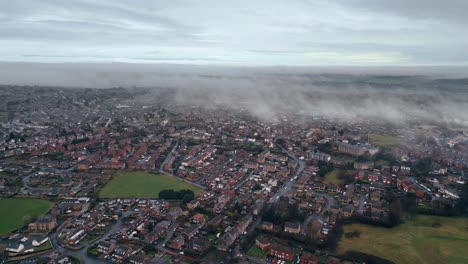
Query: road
column 329, row 198
column 289, row 184
column 170, row 233
column 283, row 191
column 26, row 179
column 162, row 171
column 328, row 205
column 362, row 199
column 243, row 181
column 216, row 170
column 434, row 197
column 82, row 253
column 236, row 251
column 171, row 153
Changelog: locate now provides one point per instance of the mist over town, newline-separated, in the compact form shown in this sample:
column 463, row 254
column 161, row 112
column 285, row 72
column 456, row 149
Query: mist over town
column 301, row 131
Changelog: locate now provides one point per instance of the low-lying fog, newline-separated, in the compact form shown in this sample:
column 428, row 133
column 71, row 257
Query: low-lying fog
column 434, row 94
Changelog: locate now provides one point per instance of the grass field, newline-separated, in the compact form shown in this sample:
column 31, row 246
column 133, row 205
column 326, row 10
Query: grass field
column 381, row 162
column 330, row 178
column 415, row 241
column 16, row 212
column 215, row 256
column 46, row 246
column 255, row 251
column 383, row 140
column 140, row 184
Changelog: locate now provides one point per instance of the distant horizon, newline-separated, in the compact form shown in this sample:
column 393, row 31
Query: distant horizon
column 119, row 74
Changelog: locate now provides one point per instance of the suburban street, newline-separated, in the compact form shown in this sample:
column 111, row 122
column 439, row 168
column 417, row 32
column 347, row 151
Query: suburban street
column 287, row 186
column 82, row 253
column 162, row 171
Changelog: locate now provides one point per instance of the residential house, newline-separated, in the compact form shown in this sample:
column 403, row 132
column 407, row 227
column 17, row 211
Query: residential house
column 76, row 236
column 292, row 227
column 121, row 253
column 227, row 239
column 14, row 247
column 308, row 258
column 281, row 252
column 105, row 248
column 178, row 242
column 190, row 231
column 244, row 223
column 263, row 243
column 266, row 225
column 136, row 260
column 348, row 210
column 364, row 165
column 319, row 156
column 200, row 244
column 43, row 225
column 199, row 219
column 38, row 241
column 153, row 235
column 163, row 224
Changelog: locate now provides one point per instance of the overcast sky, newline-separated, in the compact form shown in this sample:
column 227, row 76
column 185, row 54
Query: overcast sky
column 240, row 32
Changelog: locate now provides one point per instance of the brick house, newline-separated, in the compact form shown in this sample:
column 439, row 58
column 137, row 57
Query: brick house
column 281, row 252
column 263, row 243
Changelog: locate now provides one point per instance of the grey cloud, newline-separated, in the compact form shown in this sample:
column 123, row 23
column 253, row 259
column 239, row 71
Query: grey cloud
column 453, row 11
column 244, row 32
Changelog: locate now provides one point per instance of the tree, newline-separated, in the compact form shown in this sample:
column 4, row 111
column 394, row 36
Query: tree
column 313, row 228
column 257, row 187
column 184, row 195
column 280, row 141
column 326, row 147
column 462, row 204
column 187, row 198
column 409, row 204
column 422, row 167
column 324, row 167
column 394, row 214
column 80, row 140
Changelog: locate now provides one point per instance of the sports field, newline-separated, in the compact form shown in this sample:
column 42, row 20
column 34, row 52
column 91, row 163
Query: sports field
column 421, row 240
column 17, row 212
column 383, row 140
column 141, row 184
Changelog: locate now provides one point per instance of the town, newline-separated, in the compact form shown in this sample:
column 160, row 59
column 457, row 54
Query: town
column 98, row 176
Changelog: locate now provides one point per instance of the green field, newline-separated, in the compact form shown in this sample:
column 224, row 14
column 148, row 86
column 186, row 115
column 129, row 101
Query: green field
column 140, row 184
column 46, row 246
column 415, row 241
column 255, row 251
column 16, row 212
column 330, row 178
column 383, row 140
